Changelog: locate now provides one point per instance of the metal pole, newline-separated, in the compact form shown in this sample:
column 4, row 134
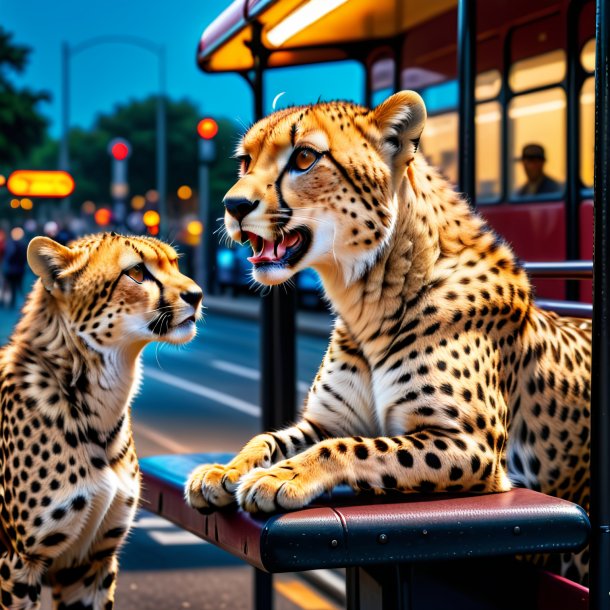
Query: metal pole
column 202, row 262
column 466, row 45
column 573, row 145
column 600, row 371
column 64, row 147
column 161, row 146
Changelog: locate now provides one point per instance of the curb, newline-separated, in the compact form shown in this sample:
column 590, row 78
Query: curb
column 248, row 308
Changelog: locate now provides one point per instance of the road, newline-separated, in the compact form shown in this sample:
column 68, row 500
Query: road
column 199, row 397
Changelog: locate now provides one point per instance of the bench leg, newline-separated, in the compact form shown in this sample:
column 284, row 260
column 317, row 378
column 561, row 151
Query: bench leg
column 379, row 588
column 263, row 590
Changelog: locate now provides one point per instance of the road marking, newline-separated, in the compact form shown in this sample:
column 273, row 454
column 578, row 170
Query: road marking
column 248, row 373
column 160, row 439
column 157, row 522
column 301, row 595
column 175, row 538
column 195, row 388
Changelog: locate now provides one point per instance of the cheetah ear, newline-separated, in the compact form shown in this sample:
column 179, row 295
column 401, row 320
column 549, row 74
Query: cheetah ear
column 401, row 119
column 48, row 259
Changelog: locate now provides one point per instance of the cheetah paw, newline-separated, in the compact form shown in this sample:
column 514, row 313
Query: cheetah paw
column 268, row 490
column 211, row 486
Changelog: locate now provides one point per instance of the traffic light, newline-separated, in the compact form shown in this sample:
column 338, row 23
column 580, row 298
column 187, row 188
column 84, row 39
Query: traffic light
column 119, row 149
column 207, row 128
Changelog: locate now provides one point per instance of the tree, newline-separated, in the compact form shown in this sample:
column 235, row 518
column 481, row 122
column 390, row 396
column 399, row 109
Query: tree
column 22, row 127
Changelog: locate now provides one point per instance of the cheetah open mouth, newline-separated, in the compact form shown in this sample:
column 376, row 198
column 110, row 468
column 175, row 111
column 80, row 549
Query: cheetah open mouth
column 286, row 250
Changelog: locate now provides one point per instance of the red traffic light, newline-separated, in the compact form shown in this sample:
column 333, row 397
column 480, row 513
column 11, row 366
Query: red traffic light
column 119, row 148
column 207, row 128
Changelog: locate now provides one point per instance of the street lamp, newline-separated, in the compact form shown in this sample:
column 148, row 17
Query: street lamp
column 159, row 51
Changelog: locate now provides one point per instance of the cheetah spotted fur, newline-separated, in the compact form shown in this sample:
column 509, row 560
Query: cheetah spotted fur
column 441, row 374
column 69, row 479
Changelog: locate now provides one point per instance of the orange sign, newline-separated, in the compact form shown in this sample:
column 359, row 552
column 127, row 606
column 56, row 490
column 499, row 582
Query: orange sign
column 33, row 183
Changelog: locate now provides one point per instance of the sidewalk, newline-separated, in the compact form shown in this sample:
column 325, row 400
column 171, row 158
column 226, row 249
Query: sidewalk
column 318, row 324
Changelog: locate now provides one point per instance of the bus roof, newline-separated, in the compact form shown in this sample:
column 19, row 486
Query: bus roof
column 224, row 43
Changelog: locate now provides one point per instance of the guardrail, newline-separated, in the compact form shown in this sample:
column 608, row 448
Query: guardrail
column 562, row 270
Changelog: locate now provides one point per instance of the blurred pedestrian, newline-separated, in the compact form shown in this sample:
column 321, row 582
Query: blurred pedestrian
column 13, row 265
column 533, row 159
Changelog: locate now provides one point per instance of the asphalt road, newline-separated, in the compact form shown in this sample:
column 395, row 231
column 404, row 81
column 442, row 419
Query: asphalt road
column 197, row 398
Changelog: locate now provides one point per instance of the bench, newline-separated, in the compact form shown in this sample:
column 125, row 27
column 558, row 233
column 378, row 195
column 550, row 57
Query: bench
column 400, row 551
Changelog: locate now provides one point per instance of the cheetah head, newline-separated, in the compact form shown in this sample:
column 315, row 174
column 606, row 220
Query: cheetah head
column 118, row 292
column 318, row 186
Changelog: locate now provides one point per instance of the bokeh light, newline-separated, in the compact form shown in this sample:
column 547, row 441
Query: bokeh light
column 185, row 192
column 195, row 227
column 26, row 203
column 88, row 207
column 152, row 196
column 103, row 217
column 2, row 180
column 138, row 202
column 17, row 233
column 151, row 218
column 15, row 203
column 51, row 228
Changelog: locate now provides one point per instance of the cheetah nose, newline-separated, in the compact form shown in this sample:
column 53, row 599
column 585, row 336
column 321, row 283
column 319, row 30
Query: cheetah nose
column 192, row 298
column 239, row 207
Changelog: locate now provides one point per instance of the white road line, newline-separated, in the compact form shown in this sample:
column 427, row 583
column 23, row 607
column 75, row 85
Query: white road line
column 248, row 373
column 160, row 439
column 157, row 522
column 179, row 537
column 195, row 388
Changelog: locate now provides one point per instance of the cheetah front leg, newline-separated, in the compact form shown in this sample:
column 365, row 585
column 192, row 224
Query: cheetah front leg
column 89, row 585
column 20, row 583
column 420, row 462
column 327, row 412
column 213, row 485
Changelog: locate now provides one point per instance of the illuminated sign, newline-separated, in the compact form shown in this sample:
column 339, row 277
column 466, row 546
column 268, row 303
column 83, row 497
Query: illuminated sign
column 33, row 183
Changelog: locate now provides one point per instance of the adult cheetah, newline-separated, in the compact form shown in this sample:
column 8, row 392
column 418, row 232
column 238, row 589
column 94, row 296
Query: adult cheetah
column 69, row 479
column 441, row 374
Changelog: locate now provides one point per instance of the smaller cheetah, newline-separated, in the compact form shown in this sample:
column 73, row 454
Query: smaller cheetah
column 69, row 479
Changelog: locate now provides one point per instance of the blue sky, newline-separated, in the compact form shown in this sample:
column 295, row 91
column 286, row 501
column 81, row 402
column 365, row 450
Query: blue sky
column 105, row 75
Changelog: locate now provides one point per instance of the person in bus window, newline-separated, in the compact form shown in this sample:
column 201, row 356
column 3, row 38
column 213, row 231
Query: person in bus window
column 538, row 183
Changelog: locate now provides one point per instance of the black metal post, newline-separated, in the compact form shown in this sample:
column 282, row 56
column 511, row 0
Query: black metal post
column 600, row 372
column 466, row 56
column 278, row 334
column 573, row 145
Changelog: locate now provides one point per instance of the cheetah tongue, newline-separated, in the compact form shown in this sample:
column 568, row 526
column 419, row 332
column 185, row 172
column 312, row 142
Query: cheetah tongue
column 271, row 251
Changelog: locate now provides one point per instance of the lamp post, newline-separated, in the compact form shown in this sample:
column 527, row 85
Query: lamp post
column 68, row 52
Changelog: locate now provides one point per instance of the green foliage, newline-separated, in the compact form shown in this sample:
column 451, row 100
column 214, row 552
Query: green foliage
column 22, row 127
column 90, row 162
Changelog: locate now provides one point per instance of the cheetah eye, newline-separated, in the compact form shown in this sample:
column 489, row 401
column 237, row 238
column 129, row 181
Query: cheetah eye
column 303, row 159
column 136, row 273
column 244, row 164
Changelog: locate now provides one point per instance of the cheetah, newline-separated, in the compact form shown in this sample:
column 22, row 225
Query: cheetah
column 69, row 478
column 441, row 374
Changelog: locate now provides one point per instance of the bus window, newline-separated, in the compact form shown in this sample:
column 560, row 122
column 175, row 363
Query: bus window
column 381, row 95
column 382, row 79
column 488, row 149
column 487, row 85
column 317, row 82
column 537, row 132
column 587, row 132
column 587, row 56
column 544, row 69
column 439, row 143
